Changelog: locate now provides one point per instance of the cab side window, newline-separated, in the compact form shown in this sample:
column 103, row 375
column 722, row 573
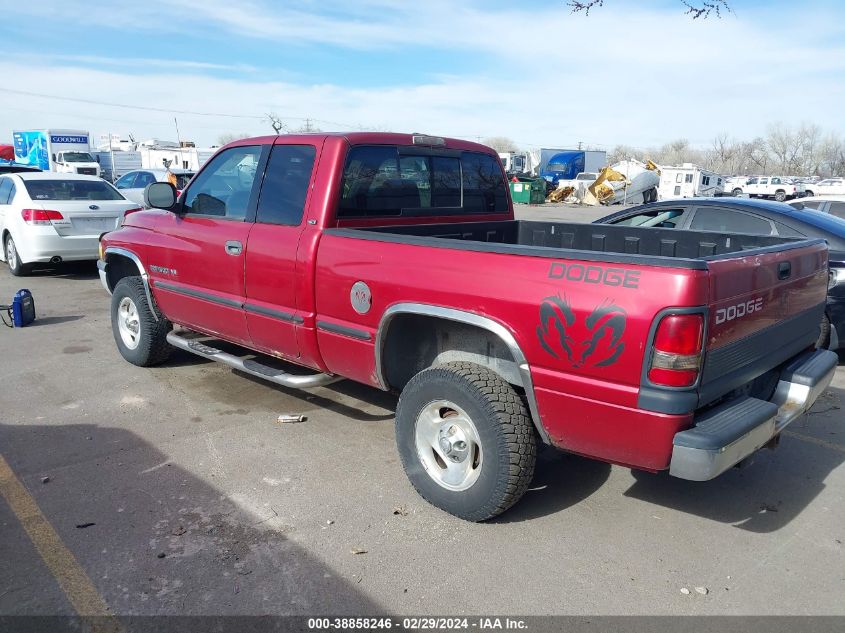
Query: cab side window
column 224, row 188
column 285, row 185
column 728, row 221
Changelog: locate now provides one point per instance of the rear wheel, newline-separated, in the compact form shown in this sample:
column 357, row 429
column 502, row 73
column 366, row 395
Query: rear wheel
column 780, row 195
column 13, row 259
column 466, row 440
column 824, row 334
column 140, row 337
column 808, row 194
column 737, row 192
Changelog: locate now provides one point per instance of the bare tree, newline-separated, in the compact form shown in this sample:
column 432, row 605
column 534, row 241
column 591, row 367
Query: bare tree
column 500, row 143
column 276, row 122
column 701, row 9
column 228, row 137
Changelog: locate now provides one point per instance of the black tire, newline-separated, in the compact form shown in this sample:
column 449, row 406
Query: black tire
column 653, row 196
column 152, row 347
column 736, row 192
column 824, row 334
column 808, row 194
column 506, row 436
column 17, row 268
column 780, row 195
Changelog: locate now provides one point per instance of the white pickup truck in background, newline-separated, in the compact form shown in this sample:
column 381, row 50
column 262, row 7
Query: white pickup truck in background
column 776, row 187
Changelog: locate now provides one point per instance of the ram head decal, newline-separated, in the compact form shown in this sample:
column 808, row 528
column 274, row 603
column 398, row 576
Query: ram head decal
column 595, row 342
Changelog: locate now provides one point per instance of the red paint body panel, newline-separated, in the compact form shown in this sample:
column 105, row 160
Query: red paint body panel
column 587, row 379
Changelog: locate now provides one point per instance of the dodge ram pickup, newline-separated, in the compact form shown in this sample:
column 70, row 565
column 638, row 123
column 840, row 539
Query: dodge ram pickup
column 395, row 260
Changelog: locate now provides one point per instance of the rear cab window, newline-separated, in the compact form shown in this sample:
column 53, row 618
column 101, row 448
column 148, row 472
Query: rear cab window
column 392, row 181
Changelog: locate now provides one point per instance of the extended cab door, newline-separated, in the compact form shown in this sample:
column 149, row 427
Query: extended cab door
column 273, row 274
column 198, row 269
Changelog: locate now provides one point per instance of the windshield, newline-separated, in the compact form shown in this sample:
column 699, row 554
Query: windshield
column 557, row 167
column 78, row 157
column 71, row 190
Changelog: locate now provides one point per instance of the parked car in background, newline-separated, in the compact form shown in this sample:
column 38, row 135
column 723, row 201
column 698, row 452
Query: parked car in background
column 757, row 217
column 777, row 187
column 834, row 205
column 50, row 217
column 827, row 187
column 133, row 183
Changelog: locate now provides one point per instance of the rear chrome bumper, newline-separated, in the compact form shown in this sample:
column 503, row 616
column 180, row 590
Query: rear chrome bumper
column 729, row 433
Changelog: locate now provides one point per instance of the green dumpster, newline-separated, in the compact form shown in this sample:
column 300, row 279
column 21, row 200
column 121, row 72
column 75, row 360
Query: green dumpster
column 529, row 190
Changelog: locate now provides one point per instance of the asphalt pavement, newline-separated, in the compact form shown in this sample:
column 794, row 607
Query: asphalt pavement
column 174, row 490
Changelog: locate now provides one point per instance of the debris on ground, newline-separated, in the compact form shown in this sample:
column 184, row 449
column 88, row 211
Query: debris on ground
column 160, row 555
column 45, row 480
column 401, row 511
column 84, row 525
column 330, row 522
column 358, row 550
column 179, row 530
column 702, row 590
column 685, row 591
column 291, row 418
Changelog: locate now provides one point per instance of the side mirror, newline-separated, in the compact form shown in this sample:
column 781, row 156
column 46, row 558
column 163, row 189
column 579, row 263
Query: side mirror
column 160, row 195
column 54, row 158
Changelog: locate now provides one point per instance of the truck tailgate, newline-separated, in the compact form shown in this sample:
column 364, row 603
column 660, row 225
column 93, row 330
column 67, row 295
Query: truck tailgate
column 764, row 309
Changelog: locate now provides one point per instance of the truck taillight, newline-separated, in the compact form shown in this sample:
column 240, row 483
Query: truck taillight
column 676, row 359
column 40, row 216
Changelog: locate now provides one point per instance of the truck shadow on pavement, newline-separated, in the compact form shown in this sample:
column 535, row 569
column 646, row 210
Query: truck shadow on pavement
column 154, row 538
column 771, row 491
column 346, row 397
column 78, row 271
column 560, row 481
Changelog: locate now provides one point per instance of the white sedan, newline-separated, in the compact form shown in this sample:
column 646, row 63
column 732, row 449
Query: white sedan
column 49, row 217
column 133, row 183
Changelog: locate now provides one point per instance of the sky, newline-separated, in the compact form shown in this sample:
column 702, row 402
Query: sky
column 638, row 73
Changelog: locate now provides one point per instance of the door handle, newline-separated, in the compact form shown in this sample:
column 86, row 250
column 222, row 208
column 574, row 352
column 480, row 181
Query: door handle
column 234, row 247
column 784, row 270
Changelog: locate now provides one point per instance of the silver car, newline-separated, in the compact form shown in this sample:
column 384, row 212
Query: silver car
column 132, row 184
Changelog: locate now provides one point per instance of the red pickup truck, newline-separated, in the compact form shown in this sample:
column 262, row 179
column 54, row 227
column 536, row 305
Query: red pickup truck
column 395, row 260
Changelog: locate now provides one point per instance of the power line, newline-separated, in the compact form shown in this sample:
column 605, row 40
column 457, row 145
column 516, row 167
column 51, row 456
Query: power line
column 109, row 104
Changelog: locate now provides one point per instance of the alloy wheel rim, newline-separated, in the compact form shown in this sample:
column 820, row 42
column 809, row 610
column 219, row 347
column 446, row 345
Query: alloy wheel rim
column 448, row 445
column 11, row 254
column 128, row 323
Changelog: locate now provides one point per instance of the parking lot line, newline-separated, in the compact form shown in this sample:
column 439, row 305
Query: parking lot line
column 61, row 562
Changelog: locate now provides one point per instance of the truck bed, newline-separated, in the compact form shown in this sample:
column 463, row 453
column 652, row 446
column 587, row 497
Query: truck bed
column 609, row 243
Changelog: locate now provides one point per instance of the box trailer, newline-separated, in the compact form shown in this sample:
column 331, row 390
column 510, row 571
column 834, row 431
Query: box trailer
column 63, row 151
column 689, row 181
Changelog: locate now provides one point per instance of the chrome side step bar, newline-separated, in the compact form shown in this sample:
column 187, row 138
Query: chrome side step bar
column 249, row 366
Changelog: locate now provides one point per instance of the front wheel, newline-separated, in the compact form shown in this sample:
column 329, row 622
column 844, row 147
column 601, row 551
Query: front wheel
column 736, row 192
column 13, row 259
column 140, row 337
column 808, row 194
column 780, row 196
column 466, row 440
